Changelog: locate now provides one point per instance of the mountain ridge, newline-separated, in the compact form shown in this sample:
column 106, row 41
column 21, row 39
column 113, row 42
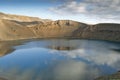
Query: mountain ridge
column 15, row 28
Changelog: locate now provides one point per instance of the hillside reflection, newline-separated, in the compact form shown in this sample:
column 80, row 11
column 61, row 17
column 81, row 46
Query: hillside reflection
column 7, row 47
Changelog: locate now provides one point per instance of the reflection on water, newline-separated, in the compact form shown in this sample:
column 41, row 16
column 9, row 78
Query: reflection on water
column 118, row 50
column 58, row 59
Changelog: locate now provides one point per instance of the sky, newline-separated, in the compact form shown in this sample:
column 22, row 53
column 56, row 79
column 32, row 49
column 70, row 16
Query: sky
column 87, row 11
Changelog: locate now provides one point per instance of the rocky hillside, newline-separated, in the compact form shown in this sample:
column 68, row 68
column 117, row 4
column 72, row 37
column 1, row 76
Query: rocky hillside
column 57, row 29
column 13, row 27
column 105, row 31
column 10, row 30
column 18, row 18
column 72, row 29
column 21, row 18
column 115, row 76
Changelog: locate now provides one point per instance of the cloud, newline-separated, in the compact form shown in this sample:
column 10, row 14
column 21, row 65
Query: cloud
column 96, row 56
column 108, row 9
column 72, row 7
column 70, row 70
column 102, row 57
column 73, row 70
column 17, row 74
column 99, row 53
column 59, row 70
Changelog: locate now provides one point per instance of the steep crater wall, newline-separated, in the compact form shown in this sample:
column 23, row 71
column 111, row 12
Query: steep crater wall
column 15, row 30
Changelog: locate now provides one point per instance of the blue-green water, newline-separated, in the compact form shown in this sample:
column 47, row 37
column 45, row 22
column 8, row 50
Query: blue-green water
column 58, row 59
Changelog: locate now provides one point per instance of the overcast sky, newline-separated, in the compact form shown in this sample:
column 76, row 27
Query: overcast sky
column 88, row 11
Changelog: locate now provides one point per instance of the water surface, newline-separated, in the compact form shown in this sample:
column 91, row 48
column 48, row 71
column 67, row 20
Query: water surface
column 58, row 59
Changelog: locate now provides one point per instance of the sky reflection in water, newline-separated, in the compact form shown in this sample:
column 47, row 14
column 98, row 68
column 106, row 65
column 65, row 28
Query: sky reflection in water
column 59, row 59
